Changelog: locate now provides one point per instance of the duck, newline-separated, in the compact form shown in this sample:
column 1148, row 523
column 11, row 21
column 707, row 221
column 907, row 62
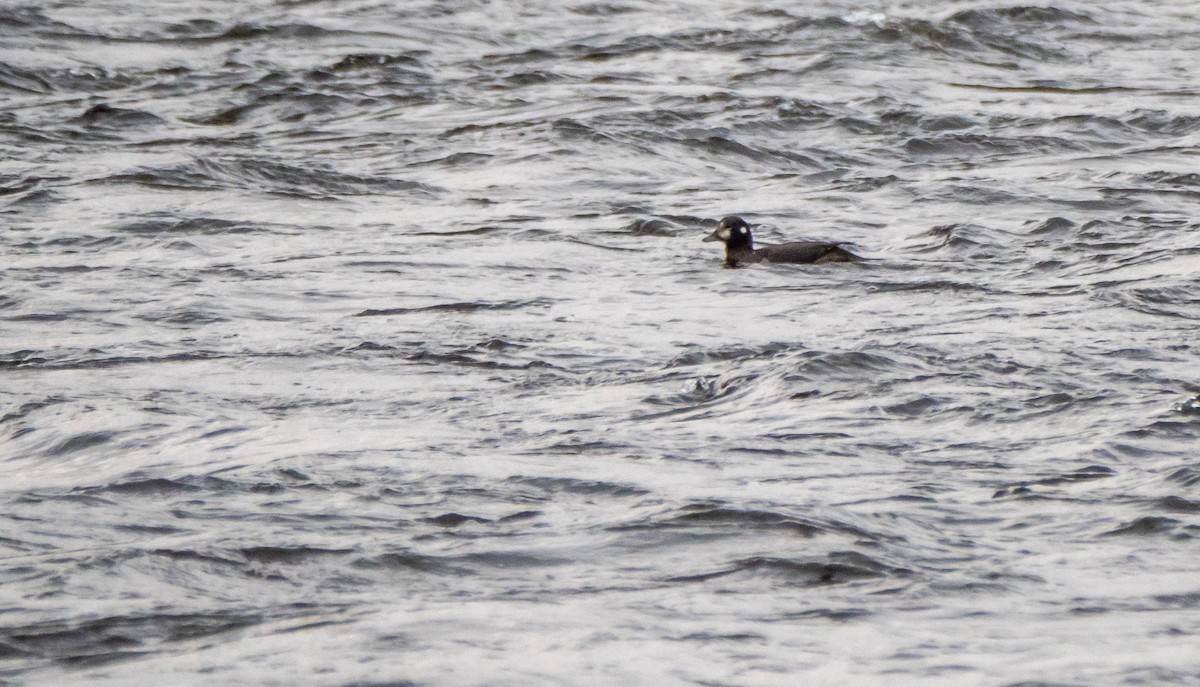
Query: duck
column 739, row 247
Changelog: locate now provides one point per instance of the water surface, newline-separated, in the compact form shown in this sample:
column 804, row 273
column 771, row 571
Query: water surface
column 365, row 343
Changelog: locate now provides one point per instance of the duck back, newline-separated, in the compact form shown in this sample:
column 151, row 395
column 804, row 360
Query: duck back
column 805, row 252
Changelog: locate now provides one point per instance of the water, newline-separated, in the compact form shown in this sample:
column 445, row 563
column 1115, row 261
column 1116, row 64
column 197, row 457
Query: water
column 366, row 343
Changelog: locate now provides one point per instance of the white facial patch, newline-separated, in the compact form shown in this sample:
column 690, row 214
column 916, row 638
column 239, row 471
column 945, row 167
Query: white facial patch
column 723, row 232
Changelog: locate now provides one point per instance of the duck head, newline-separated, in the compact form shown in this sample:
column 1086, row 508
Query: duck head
column 734, row 232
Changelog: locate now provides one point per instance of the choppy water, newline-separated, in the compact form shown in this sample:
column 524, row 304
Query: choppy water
column 372, row 343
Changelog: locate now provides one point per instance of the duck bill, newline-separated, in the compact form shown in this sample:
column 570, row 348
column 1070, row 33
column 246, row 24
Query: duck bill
column 715, row 236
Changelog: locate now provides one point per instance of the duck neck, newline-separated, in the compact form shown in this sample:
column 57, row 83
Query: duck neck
column 736, row 255
column 739, row 243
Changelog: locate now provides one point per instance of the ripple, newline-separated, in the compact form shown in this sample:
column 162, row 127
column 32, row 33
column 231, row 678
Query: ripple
column 465, row 307
column 80, row 442
column 104, row 116
column 1147, row 526
column 98, row 641
column 266, row 176
column 843, row 569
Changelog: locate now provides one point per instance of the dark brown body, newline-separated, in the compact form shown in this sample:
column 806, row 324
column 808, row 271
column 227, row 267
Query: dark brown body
column 739, row 248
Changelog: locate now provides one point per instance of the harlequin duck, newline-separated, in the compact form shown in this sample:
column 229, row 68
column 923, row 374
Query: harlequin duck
column 739, row 247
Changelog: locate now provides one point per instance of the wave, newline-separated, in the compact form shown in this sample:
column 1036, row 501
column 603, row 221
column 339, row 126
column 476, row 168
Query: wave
column 267, row 176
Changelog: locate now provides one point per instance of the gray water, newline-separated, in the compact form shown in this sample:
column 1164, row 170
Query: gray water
column 374, row 343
